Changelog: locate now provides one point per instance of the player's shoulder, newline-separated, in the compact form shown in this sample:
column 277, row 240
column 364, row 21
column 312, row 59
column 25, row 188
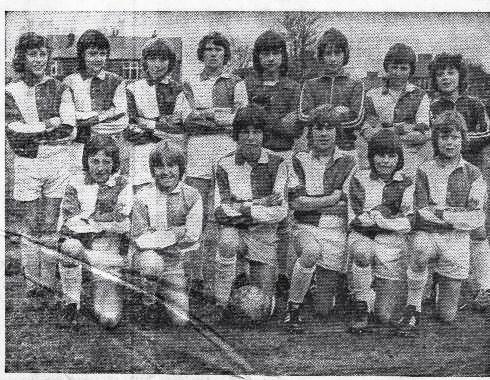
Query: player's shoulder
column 227, row 159
column 14, row 86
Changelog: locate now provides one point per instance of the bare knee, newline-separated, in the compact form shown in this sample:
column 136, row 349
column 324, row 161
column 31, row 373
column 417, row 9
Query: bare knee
column 362, row 252
column 109, row 321
column 73, row 248
column 310, row 253
column 148, row 263
column 229, row 243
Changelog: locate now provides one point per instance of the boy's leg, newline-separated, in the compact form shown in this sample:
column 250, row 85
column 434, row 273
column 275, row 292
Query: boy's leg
column 324, row 295
column 71, row 278
column 448, row 297
column 29, row 250
column 263, row 276
column 173, row 286
column 229, row 246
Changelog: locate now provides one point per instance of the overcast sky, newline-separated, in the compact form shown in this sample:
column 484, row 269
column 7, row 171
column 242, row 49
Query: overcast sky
column 369, row 34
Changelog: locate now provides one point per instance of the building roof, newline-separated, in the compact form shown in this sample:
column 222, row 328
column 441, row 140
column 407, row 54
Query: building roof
column 122, row 47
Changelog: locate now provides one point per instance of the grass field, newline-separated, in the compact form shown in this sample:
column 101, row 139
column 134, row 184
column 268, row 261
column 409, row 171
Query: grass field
column 36, row 341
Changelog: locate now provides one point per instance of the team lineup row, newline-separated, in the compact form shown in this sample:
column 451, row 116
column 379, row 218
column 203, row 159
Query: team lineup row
column 347, row 179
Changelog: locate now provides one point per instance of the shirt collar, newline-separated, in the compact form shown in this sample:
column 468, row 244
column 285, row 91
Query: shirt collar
column 397, row 177
column 459, row 165
column 29, row 83
column 111, row 182
column 203, row 76
column 101, row 75
column 263, row 159
column 409, row 87
column 177, row 189
column 340, row 73
column 152, row 82
column 438, row 96
column 336, row 155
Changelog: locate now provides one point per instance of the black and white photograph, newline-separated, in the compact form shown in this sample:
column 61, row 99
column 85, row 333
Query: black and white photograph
column 259, row 192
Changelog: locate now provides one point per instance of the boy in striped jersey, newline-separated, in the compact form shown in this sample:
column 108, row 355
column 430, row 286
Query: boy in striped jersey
column 40, row 120
column 249, row 203
column 99, row 95
column 380, row 205
column 449, row 200
column 320, row 210
column 448, row 74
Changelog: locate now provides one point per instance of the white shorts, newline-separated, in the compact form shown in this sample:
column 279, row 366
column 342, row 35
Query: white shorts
column 387, row 253
column 332, row 240
column 450, row 251
column 47, row 174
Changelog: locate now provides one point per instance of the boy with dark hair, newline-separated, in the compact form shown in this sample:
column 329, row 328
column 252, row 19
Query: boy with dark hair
column 249, row 203
column 335, row 90
column 400, row 105
column 448, row 79
column 40, row 120
column 450, row 195
column 320, row 210
column 95, row 213
column 380, row 208
column 207, row 106
column 167, row 208
column 151, row 103
column 99, row 95
column 270, row 88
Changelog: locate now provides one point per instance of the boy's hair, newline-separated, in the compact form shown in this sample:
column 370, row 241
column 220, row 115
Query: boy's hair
column 91, row 39
column 444, row 60
column 446, row 122
column 400, row 53
column 29, row 40
column 252, row 114
column 267, row 41
column 217, row 39
column 384, row 142
column 158, row 47
column 170, row 153
column 321, row 116
column 336, row 38
column 102, row 143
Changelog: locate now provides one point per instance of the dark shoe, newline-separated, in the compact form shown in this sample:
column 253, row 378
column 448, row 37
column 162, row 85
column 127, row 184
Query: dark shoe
column 408, row 324
column 282, row 286
column 71, row 315
column 431, row 300
column 311, row 290
column 293, row 320
column 360, row 317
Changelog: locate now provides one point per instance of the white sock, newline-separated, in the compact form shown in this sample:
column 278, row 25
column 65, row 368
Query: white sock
column 362, row 279
column 71, row 282
column 300, row 282
column 480, row 263
column 48, row 269
column 176, row 298
column 416, row 285
column 30, row 262
column 223, row 278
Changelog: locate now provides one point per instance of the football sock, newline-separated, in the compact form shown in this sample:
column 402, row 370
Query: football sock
column 197, row 262
column 480, row 263
column 30, row 261
column 48, row 269
column 416, row 284
column 71, row 282
column 107, row 298
column 224, row 276
column 361, row 284
column 149, row 283
column 300, row 282
column 175, row 296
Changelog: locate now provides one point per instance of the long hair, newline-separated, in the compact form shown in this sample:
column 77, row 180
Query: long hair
column 158, row 47
column 219, row 40
column 91, row 39
column 251, row 115
column 99, row 143
column 445, row 60
column 400, row 53
column 266, row 42
column 384, row 142
column 446, row 122
column 26, row 41
column 169, row 153
column 335, row 38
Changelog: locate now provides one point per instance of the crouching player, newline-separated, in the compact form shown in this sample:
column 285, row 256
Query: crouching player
column 380, row 201
column 249, row 203
column 450, row 194
column 166, row 222
column 320, row 210
column 95, row 214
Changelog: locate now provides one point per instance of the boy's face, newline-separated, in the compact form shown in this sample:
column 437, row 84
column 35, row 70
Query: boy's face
column 385, row 164
column 157, row 67
column 450, row 143
column 399, row 72
column 322, row 138
column 36, row 61
column 250, row 142
column 447, row 79
column 270, row 60
column 167, row 176
column 333, row 59
column 213, row 56
column 95, row 60
column 100, row 167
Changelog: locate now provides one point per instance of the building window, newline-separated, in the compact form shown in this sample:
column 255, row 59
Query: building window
column 131, row 70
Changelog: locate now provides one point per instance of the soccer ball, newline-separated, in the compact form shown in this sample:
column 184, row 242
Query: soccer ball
column 250, row 303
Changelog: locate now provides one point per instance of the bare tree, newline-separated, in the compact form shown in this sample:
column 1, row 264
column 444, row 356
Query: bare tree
column 241, row 55
column 301, row 34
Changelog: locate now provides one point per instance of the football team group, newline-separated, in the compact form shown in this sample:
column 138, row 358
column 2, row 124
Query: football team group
column 359, row 195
